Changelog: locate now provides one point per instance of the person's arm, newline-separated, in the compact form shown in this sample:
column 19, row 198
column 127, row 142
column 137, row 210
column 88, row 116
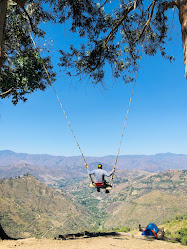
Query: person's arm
column 90, row 172
column 110, row 173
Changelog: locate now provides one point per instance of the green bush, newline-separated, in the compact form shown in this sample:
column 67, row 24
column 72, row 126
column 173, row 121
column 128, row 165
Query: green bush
column 182, row 235
column 123, row 229
column 183, row 231
column 184, row 240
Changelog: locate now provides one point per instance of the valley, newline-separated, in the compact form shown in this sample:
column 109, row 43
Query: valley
column 46, row 200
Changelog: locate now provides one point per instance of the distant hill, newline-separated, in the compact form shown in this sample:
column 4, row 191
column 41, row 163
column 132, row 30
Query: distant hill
column 29, row 208
column 49, row 168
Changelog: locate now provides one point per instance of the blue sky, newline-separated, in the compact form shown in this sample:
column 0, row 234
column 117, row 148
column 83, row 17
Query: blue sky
column 157, row 119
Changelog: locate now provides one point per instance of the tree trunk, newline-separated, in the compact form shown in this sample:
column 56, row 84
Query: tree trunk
column 182, row 5
column 3, row 8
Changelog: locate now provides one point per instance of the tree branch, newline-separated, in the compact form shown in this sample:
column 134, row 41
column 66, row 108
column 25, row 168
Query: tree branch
column 170, row 5
column 3, row 10
column 148, row 21
column 125, row 13
column 104, row 3
column 30, row 20
column 4, row 93
column 20, row 3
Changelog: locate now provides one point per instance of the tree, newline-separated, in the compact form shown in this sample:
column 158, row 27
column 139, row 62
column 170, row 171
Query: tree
column 112, row 34
column 119, row 38
column 21, row 66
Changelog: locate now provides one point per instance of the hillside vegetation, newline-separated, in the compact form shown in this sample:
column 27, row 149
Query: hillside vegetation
column 151, row 199
column 177, row 228
column 29, row 208
column 138, row 198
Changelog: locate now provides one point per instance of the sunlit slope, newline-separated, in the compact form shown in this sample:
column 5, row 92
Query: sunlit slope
column 30, row 208
column 153, row 207
column 138, row 197
column 152, row 199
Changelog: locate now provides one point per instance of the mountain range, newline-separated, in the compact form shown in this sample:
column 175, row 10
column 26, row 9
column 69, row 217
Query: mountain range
column 49, row 168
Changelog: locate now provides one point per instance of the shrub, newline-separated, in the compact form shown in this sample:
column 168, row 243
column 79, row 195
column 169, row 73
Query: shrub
column 123, row 229
column 184, row 240
column 183, row 231
column 182, row 235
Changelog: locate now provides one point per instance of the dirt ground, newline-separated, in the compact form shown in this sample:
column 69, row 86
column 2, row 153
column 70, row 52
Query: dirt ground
column 123, row 241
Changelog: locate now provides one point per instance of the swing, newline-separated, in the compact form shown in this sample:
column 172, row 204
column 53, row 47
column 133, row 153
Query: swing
column 103, row 185
column 97, row 185
column 99, row 181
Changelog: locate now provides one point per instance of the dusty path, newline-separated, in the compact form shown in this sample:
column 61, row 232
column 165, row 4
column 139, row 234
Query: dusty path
column 125, row 242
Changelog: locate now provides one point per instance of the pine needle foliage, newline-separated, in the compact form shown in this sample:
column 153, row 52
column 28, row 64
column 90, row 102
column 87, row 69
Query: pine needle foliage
column 22, row 72
column 113, row 34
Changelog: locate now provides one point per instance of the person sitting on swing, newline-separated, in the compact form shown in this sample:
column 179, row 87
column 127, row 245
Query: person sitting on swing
column 99, row 175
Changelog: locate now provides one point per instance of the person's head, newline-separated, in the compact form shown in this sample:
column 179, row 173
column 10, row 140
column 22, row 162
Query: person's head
column 100, row 166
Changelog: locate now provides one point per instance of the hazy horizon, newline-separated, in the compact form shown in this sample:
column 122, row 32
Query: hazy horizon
column 50, row 154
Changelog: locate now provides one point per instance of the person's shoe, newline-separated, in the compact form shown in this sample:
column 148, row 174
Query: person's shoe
column 98, row 189
column 107, row 191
